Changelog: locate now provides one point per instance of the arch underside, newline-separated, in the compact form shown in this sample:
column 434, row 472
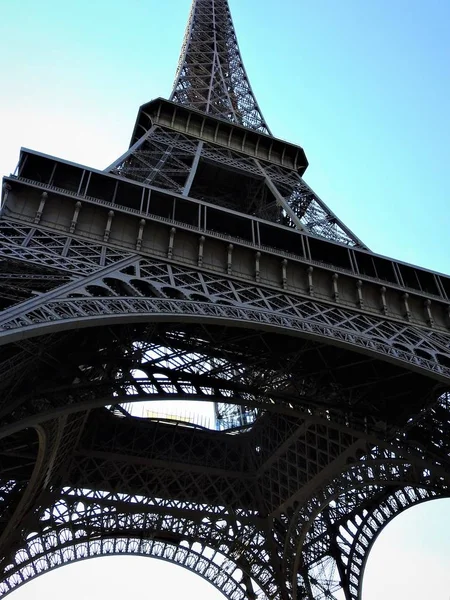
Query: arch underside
column 250, row 367
column 331, row 533
column 213, row 523
column 280, row 376
column 328, row 387
column 334, row 532
column 164, row 292
column 347, row 401
column 63, row 547
column 228, row 548
column 326, row 346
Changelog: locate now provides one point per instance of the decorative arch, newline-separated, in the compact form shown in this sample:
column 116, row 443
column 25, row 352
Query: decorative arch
column 36, row 560
column 336, row 325
column 379, row 471
column 373, row 523
column 79, row 524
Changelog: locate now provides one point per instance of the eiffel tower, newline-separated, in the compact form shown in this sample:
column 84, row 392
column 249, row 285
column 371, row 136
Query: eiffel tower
column 201, row 266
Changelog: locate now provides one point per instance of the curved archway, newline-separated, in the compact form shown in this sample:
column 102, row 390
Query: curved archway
column 409, row 559
column 98, row 291
column 337, row 330
column 41, row 557
column 144, row 288
column 371, row 474
column 119, row 286
column 116, row 578
column 173, row 293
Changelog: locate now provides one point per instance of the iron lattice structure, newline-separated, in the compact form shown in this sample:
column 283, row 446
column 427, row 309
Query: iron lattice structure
column 201, row 266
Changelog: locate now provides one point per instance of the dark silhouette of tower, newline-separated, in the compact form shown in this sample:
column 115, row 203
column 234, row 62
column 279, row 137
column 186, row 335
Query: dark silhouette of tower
column 200, row 265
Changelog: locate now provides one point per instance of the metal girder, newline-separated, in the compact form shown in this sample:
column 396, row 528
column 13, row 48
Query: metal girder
column 114, row 293
column 332, row 399
column 131, row 486
column 211, row 75
column 165, row 158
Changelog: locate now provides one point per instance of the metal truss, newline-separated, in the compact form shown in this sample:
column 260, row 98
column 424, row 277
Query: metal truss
column 331, row 538
column 170, row 160
column 200, row 500
column 68, row 533
column 338, row 419
column 135, row 286
column 332, row 406
column 211, row 75
column 359, row 534
column 334, row 530
column 209, row 363
column 211, row 78
column 31, row 253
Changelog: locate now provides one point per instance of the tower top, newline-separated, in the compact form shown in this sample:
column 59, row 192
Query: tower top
column 211, row 75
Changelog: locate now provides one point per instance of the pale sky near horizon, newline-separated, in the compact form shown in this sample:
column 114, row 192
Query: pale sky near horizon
column 362, row 86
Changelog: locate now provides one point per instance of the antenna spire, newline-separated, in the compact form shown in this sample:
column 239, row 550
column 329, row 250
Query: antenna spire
column 211, row 75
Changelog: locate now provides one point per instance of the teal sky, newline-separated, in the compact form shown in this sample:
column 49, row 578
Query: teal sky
column 362, row 86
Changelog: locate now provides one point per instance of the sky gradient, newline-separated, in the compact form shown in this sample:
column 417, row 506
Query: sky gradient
column 362, row 86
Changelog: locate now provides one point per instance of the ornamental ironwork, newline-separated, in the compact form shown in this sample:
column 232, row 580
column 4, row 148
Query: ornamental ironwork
column 201, row 266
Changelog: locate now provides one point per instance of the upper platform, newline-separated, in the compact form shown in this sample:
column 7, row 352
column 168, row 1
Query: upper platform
column 221, row 132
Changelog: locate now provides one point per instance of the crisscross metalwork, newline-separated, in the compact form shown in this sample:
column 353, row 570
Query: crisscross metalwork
column 211, row 75
column 201, row 266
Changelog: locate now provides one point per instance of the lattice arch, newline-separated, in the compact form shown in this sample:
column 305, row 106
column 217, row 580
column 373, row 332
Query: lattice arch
column 38, row 558
column 304, row 317
column 373, row 524
column 318, row 578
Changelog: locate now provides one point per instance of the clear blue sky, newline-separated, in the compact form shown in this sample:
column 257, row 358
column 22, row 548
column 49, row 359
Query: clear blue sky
column 362, row 86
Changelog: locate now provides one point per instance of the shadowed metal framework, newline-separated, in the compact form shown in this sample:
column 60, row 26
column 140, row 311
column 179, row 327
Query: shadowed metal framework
column 200, row 266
